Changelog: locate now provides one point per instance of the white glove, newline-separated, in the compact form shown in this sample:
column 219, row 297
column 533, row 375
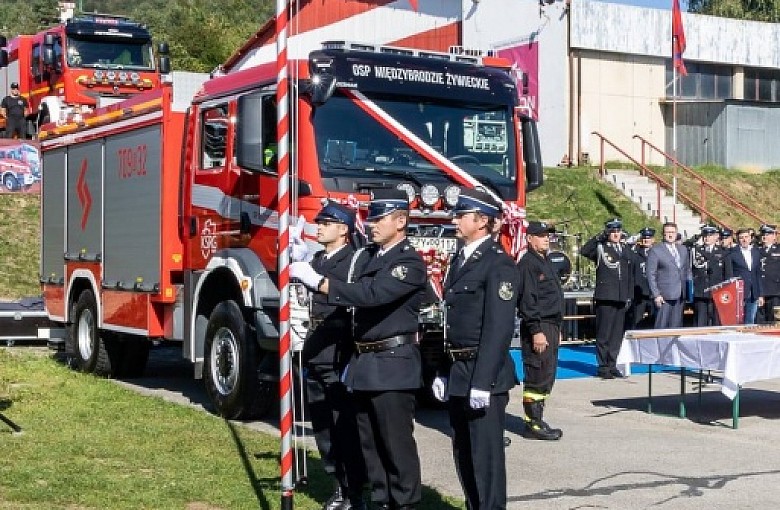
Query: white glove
column 439, row 388
column 306, row 274
column 299, row 250
column 479, row 399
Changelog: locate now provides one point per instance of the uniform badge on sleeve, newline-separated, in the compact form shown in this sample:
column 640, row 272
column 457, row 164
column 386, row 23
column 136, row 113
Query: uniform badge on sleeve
column 505, row 291
column 400, row 272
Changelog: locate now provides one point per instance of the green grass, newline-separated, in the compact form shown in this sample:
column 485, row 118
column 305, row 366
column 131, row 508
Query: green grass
column 88, row 443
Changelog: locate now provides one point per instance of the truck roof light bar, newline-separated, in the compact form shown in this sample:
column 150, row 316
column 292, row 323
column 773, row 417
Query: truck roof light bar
column 464, row 56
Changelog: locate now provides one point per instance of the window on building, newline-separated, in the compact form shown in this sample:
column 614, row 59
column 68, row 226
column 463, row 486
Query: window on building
column 703, row 81
column 214, row 137
column 762, row 84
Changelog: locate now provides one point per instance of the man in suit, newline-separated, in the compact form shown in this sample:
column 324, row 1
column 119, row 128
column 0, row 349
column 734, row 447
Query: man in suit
column 746, row 264
column 709, row 266
column 641, row 304
column 613, row 293
column 326, row 351
column 541, row 309
column 480, row 292
column 770, row 272
column 668, row 269
column 385, row 369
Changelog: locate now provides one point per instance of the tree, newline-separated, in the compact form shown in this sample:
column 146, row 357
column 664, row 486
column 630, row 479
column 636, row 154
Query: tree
column 755, row 10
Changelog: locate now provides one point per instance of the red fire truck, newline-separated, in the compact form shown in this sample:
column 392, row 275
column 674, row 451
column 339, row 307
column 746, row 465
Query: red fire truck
column 85, row 62
column 159, row 214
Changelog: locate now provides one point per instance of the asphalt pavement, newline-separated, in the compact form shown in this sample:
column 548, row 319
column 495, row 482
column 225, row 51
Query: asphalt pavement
column 613, row 454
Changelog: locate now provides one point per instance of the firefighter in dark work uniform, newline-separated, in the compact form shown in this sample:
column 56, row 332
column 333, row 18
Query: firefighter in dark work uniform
column 385, row 370
column 613, row 293
column 642, row 303
column 709, row 266
column 770, row 272
column 541, row 307
column 325, row 353
column 480, row 292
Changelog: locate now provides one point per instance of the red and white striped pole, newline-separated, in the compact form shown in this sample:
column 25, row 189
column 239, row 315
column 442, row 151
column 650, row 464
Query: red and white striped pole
column 283, row 195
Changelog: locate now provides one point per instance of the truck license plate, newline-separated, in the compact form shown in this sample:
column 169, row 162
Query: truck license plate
column 441, row 244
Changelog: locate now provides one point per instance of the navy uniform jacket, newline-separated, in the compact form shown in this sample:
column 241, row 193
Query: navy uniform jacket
column 639, row 262
column 541, row 296
column 387, row 294
column 614, row 270
column 770, row 270
column 330, row 340
column 708, row 269
column 752, row 276
column 481, row 299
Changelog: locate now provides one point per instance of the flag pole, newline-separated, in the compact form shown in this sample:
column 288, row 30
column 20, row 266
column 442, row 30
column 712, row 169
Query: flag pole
column 674, row 135
column 283, row 211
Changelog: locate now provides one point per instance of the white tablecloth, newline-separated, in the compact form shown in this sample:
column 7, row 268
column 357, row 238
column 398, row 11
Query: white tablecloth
column 742, row 357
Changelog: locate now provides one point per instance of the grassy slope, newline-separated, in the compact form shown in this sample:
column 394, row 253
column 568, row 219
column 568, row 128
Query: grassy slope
column 19, row 244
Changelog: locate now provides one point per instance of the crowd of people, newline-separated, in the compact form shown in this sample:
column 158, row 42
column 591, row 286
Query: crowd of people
column 642, row 284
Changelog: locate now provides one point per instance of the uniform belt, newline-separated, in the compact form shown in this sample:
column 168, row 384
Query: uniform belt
column 386, row 343
column 462, row 354
column 328, row 323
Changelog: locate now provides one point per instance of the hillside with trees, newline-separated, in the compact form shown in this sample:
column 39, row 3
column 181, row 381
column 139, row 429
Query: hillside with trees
column 201, row 33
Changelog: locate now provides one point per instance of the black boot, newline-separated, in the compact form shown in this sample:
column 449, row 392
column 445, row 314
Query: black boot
column 535, row 427
column 336, row 500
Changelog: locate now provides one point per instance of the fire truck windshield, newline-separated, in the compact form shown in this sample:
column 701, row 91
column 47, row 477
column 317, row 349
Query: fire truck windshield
column 400, row 137
column 106, row 53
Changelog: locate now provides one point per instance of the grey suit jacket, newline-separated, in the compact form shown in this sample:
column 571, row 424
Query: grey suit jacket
column 663, row 276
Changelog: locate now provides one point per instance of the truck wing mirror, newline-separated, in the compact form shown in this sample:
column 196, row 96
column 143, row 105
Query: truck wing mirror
column 249, row 132
column 48, row 40
column 48, row 56
column 319, row 88
column 532, row 153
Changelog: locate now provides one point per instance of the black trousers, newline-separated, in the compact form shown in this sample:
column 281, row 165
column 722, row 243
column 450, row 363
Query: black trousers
column 385, row 422
column 333, row 421
column 539, row 368
column 478, row 449
column 766, row 314
column 705, row 313
column 15, row 125
column 640, row 306
column 610, row 317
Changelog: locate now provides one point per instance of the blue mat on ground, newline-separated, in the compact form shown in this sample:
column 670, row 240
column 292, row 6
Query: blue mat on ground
column 576, row 361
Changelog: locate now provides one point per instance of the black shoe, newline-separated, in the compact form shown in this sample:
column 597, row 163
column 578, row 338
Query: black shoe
column 540, row 430
column 335, row 501
column 605, row 373
column 617, row 374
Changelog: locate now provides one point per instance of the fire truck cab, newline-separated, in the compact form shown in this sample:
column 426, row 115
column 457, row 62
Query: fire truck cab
column 83, row 63
column 148, row 239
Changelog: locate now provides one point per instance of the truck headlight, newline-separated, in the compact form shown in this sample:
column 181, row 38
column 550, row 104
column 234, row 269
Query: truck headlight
column 451, row 194
column 407, row 188
column 429, row 195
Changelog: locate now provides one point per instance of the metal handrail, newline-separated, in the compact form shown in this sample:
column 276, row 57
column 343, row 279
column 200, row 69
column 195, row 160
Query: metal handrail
column 660, row 182
column 703, row 182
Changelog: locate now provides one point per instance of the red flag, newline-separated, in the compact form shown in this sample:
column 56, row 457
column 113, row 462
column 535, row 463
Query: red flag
column 414, row 4
column 678, row 39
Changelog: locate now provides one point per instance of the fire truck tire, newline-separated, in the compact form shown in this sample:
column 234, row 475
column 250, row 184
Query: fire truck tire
column 231, row 359
column 84, row 346
column 10, row 183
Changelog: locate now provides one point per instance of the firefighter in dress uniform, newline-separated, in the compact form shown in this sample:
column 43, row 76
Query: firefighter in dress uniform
column 613, row 293
column 642, row 302
column 326, row 351
column 385, row 369
column 480, row 293
column 709, row 266
column 541, row 308
column 770, row 272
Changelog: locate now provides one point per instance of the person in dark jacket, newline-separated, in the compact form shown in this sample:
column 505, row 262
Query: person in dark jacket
column 613, row 293
column 480, row 293
column 541, row 308
column 770, row 272
column 746, row 264
column 709, row 266
column 385, row 369
column 325, row 353
column 642, row 310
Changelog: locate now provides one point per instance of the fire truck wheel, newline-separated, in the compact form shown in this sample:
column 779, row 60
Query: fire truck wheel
column 84, row 347
column 10, row 183
column 230, row 367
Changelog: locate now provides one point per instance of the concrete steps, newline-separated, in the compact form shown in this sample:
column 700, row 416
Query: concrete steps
column 644, row 192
